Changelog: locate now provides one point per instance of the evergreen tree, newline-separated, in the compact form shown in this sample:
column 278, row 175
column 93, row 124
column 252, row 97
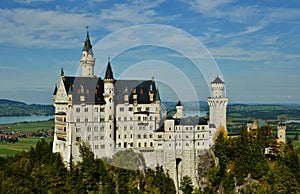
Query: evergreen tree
column 186, row 185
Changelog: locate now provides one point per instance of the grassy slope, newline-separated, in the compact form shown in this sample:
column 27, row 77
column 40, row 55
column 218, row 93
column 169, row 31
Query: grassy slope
column 24, row 143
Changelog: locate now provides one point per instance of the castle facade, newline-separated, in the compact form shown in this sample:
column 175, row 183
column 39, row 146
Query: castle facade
column 112, row 115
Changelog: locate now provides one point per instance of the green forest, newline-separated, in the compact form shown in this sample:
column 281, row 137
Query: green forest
column 235, row 165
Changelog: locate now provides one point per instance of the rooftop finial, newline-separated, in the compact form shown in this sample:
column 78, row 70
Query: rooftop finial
column 108, row 58
column 87, row 29
column 62, row 73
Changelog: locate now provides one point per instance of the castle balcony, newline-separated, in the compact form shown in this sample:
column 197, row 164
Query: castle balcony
column 61, row 135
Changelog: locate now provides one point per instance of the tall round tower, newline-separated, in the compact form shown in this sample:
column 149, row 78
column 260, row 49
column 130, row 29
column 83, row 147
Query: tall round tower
column 217, row 104
column 109, row 110
column 87, row 60
column 281, row 132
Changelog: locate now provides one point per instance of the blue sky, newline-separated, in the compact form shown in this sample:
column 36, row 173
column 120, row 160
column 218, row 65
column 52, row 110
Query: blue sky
column 256, row 44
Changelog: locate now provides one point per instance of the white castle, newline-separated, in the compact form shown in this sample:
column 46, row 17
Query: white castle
column 112, row 115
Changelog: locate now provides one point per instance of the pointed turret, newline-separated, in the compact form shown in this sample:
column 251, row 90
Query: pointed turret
column 87, row 44
column 109, row 73
column 217, row 81
column 179, row 103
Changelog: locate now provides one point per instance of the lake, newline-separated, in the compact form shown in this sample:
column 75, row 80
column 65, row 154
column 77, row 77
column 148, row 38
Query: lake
column 18, row 119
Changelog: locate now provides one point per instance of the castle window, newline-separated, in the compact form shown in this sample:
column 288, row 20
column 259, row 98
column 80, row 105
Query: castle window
column 101, row 137
column 198, row 136
column 101, row 120
column 186, row 136
column 145, row 136
column 151, row 144
column 86, row 120
column 130, row 108
column 125, row 136
column 170, row 128
column 119, row 136
column 78, row 130
column 89, row 129
column 102, row 109
column 89, row 137
column 78, row 120
column 150, row 118
column 125, row 127
column 131, row 118
column 159, row 136
column 151, row 136
column 147, row 108
column 202, row 127
column 96, row 147
column 119, row 118
column 86, row 109
column 169, row 145
column 77, row 109
column 139, row 136
column 139, row 145
column 203, row 136
column 131, row 144
column 125, row 118
column 119, row 145
column 102, row 146
column 121, row 109
column 78, row 138
column 110, row 117
column 145, row 144
column 125, row 144
column 131, row 136
column 102, row 128
column 139, row 118
column 170, row 136
column 96, row 109
column 95, row 119
column 187, row 144
column 96, row 138
column 131, row 127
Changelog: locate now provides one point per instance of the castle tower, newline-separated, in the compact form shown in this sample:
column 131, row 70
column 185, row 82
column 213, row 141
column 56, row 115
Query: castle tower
column 109, row 110
column 87, row 60
column 217, row 104
column 281, row 128
column 179, row 110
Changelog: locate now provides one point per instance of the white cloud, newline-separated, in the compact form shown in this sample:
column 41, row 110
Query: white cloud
column 31, row 1
column 27, row 27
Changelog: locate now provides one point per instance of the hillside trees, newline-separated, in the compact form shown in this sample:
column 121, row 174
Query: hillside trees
column 41, row 171
column 240, row 164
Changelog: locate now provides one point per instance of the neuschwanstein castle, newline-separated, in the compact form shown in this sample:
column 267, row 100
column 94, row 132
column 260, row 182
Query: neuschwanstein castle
column 112, row 115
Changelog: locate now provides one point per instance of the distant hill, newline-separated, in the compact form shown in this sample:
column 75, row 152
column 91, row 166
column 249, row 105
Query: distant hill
column 15, row 108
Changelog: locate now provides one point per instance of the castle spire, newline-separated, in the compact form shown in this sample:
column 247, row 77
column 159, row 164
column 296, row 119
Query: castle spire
column 87, row 44
column 109, row 73
column 87, row 60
